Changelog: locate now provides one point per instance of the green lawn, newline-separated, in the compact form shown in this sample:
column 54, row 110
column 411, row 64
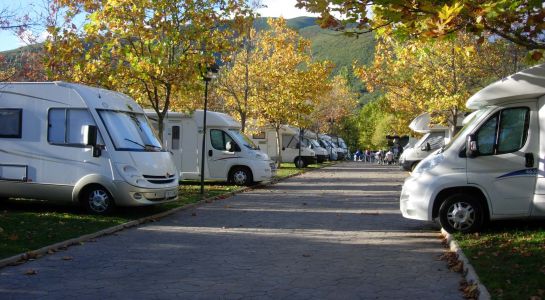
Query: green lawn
column 29, row 225
column 509, row 257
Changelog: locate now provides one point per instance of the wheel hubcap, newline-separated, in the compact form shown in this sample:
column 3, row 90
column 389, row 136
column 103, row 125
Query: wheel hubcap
column 461, row 216
column 240, row 177
column 98, row 201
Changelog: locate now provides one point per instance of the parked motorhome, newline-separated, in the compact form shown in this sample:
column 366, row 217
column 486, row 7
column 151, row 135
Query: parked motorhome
column 265, row 138
column 334, row 151
column 230, row 155
column 72, row 143
column 342, row 145
column 310, row 139
column 435, row 136
column 494, row 168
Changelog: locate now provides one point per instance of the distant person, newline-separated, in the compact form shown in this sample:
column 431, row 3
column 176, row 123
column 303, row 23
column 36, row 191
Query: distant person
column 389, row 157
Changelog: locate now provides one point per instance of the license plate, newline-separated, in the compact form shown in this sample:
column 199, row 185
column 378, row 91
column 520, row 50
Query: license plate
column 170, row 194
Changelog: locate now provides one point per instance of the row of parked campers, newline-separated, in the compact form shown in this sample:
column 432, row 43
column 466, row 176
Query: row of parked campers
column 79, row 144
column 494, row 168
column 313, row 148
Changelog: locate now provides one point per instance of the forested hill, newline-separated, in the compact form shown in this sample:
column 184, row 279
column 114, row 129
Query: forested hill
column 333, row 46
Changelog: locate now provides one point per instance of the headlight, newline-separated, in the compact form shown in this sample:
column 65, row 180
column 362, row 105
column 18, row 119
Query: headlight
column 429, row 163
column 131, row 174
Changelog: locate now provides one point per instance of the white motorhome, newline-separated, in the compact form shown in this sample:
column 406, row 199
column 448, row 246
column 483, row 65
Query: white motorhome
column 310, row 139
column 434, row 138
column 334, row 150
column 265, row 138
column 230, row 155
column 72, row 143
column 494, row 168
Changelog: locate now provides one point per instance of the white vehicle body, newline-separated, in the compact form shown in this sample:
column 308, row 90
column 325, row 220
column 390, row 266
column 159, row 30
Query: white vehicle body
column 494, row 168
column 229, row 154
column 435, row 136
column 342, row 146
column 310, row 139
column 334, row 150
column 47, row 151
column 265, row 138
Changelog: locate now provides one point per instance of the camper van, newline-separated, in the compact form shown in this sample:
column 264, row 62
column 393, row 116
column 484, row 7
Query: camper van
column 72, row 143
column 494, row 167
column 310, row 139
column 334, row 151
column 433, row 139
column 230, row 155
column 265, row 138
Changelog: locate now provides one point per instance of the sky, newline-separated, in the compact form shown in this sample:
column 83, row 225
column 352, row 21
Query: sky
column 9, row 40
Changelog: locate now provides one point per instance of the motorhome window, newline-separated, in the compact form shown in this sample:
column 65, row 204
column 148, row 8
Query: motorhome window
column 66, row 125
column 486, row 137
column 513, row 129
column 242, row 138
column 175, row 137
column 219, row 139
column 11, row 120
column 259, row 136
column 288, row 141
column 129, row 131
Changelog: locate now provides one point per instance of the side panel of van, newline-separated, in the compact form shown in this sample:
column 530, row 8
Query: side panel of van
column 506, row 140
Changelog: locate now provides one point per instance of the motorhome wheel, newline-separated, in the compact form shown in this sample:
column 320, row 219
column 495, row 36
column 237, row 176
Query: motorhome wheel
column 97, row 200
column 241, row 176
column 299, row 163
column 461, row 213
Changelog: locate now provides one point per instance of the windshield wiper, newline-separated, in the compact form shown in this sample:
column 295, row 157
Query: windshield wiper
column 146, row 147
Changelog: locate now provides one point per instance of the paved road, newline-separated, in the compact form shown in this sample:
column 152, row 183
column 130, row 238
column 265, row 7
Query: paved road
column 334, row 233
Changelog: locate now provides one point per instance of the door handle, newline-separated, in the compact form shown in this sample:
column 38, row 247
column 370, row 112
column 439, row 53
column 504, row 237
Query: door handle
column 210, row 153
column 529, row 160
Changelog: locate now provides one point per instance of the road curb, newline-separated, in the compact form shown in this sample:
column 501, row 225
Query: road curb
column 468, row 270
column 31, row 255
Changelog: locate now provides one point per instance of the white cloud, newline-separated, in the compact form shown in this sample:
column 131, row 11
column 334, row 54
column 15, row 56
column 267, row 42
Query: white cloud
column 28, row 37
column 284, row 8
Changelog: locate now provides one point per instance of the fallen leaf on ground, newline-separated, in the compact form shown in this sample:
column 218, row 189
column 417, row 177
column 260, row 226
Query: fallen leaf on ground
column 193, row 214
column 306, row 255
column 67, row 258
column 31, row 272
column 13, row 237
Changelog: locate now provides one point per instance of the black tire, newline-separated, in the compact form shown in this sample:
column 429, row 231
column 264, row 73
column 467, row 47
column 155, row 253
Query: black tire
column 97, row 200
column 241, row 176
column 299, row 162
column 461, row 213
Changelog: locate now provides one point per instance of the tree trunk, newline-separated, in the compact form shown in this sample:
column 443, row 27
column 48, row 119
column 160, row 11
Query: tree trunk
column 278, row 147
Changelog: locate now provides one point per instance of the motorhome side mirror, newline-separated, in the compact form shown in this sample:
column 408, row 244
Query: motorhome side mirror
column 426, row 147
column 229, row 146
column 90, row 135
column 472, row 150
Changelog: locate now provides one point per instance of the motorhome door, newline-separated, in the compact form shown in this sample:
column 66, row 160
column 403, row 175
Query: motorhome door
column 506, row 164
column 221, row 151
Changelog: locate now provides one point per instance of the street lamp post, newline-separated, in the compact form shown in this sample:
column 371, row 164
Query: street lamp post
column 210, row 74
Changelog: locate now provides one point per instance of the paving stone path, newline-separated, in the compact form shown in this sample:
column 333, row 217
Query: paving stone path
column 334, row 233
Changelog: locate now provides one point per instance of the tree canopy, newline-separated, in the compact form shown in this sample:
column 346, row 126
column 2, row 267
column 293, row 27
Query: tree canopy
column 519, row 21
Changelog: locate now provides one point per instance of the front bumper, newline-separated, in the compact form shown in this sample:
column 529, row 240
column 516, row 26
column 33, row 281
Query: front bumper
column 414, row 201
column 264, row 171
column 129, row 195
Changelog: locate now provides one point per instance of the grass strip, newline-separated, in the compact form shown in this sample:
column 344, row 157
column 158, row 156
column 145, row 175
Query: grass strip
column 509, row 258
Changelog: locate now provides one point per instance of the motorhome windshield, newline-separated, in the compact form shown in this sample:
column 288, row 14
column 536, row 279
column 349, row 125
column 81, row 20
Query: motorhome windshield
column 421, row 140
column 468, row 124
column 315, row 143
column 129, row 131
column 242, row 138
